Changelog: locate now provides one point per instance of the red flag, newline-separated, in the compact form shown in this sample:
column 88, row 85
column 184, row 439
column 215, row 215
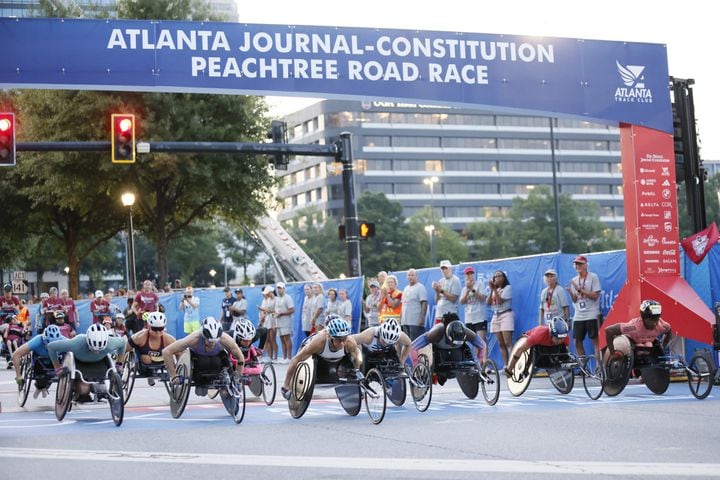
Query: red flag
column 698, row 245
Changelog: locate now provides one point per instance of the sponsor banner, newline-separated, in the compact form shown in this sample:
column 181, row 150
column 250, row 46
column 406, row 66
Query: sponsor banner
column 614, row 81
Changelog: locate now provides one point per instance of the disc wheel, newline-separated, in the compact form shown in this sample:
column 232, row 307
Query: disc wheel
column 421, row 386
column 128, row 376
column 115, row 398
column 303, row 384
column 396, row 390
column 180, row 393
column 26, row 367
column 593, row 376
column 63, row 395
column 490, row 382
column 269, row 383
column 375, row 395
column 519, row 381
column 562, row 379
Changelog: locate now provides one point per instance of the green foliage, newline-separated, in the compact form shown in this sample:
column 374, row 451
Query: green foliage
column 449, row 245
column 712, row 207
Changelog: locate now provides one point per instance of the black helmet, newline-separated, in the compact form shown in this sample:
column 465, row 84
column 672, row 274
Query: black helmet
column 650, row 309
column 455, row 332
column 7, row 287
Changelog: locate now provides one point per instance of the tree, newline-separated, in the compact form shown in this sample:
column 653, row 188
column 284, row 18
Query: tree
column 448, row 243
column 320, row 241
column 712, row 207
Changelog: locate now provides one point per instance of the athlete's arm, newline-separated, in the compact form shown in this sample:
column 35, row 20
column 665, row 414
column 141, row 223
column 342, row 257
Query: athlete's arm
column 177, row 347
column 313, row 347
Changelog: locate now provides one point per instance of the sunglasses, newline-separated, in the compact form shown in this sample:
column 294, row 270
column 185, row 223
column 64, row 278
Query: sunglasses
column 157, row 329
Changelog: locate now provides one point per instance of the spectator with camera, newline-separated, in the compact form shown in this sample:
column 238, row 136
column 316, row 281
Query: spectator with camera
column 190, row 306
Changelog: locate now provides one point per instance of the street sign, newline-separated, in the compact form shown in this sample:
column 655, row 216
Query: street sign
column 19, row 287
column 19, row 276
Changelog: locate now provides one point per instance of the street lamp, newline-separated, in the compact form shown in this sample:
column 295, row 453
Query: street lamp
column 431, row 183
column 128, row 200
column 212, row 273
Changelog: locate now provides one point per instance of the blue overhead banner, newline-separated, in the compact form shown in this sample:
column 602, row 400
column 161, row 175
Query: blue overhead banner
column 612, row 81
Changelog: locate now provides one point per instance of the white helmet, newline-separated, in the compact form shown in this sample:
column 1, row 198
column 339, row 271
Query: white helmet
column 97, row 337
column 390, row 331
column 156, row 320
column 211, row 328
column 244, row 330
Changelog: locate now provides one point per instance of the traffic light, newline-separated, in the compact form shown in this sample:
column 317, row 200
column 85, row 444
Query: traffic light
column 123, row 138
column 341, row 232
column 278, row 134
column 7, row 139
column 366, row 230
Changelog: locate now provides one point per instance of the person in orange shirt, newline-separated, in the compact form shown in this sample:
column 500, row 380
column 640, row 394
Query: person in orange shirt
column 390, row 305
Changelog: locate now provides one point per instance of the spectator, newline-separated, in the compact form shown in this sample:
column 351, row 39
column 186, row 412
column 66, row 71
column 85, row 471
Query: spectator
column 267, row 320
column 190, row 306
column 307, row 310
column 473, row 297
column 132, row 323
column 50, row 305
column 146, row 300
column 381, row 277
column 284, row 310
column 318, row 316
column 226, row 316
column 447, row 291
column 414, row 306
column 553, row 301
column 167, row 288
column 503, row 319
column 370, row 306
column 331, row 305
column 344, row 306
column 70, row 309
column 99, row 307
column 585, row 291
column 390, row 305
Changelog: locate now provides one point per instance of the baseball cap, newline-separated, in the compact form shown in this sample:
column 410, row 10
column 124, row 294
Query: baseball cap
column 445, row 263
column 580, row 259
column 469, row 270
column 111, row 290
column 550, row 271
column 238, row 290
column 280, row 285
column 98, row 293
column 267, row 290
column 374, row 283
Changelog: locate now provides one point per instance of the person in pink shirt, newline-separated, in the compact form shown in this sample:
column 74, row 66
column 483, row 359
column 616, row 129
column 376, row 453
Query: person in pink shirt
column 52, row 304
column 100, row 308
column 146, row 300
column 643, row 331
column 70, row 309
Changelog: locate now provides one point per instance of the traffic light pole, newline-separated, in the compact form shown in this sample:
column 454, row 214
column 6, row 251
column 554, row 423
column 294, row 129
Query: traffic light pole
column 352, row 233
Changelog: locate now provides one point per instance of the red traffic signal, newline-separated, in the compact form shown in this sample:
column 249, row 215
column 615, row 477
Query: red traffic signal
column 7, row 139
column 123, row 138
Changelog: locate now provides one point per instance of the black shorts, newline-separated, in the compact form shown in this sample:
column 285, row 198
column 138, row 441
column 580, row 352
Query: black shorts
column 585, row 327
column 478, row 327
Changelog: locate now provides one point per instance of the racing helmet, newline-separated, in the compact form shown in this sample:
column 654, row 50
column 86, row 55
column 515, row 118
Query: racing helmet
column 650, row 308
column 97, row 337
column 7, row 287
column 558, row 327
column 243, row 330
column 455, row 332
column 337, row 327
column 390, row 331
column 211, row 328
column 52, row 333
column 156, row 319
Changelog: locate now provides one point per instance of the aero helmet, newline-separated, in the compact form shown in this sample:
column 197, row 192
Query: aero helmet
column 97, row 337
column 211, row 328
column 455, row 332
column 243, row 330
column 337, row 327
column 558, row 327
column 390, row 331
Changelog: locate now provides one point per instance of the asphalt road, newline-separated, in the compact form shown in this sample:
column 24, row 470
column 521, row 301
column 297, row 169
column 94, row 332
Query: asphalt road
column 541, row 434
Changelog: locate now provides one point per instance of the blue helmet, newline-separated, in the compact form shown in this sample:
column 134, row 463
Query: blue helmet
column 558, row 327
column 52, row 333
column 337, row 327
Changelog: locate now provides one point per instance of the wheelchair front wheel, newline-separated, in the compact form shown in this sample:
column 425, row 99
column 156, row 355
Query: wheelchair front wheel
column 375, row 395
column 490, row 382
column 269, row 383
column 699, row 376
column 26, row 370
column 63, row 395
column 115, row 398
column 421, row 386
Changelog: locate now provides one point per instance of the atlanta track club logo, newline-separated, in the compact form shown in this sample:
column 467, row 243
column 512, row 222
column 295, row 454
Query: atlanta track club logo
column 633, row 79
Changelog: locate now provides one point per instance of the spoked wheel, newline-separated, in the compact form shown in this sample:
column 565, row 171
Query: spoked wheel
column 302, row 387
column 593, row 375
column 522, row 373
column 421, row 386
column 26, row 368
column 179, row 394
column 563, row 380
column 699, row 375
column 115, row 398
column 233, row 397
column 128, row 376
column 63, row 395
column 269, row 383
column 490, row 382
column 375, row 395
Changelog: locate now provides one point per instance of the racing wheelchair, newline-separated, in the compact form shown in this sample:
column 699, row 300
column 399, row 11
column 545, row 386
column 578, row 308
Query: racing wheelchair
column 263, row 384
column 653, row 365
column 34, row 368
column 560, row 365
column 351, row 387
column 101, row 376
column 455, row 363
column 393, row 373
column 230, row 388
column 133, row 369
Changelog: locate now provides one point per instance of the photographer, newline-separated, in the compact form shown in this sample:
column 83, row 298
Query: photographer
column 190, row 305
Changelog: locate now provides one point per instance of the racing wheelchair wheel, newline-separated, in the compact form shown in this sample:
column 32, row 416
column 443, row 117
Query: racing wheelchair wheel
column 375, row 395
column 269, row 383
column 233, row 397
column 490, row 382
column 656, row 378
column 421, row 384
column 699, row 376
column 519, row 381
column 115, row 398
column 396, row 389
column 302, row 387
column 617, row 374
column 63, row 394
column 26, row 371
column 180, row 393
column 593, row 377
column 128, row 375
column 562, row 379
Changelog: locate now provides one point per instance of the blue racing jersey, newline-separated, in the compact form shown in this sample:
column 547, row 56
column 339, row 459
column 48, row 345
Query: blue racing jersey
column 37, row 346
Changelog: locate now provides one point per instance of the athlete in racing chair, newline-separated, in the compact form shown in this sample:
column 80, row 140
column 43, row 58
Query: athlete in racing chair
column 332, row 346
column 379, row 343
column 448, row 340
column 42, row 366
column 90, row 352
column 552, row 336
column 209, row 348
column 149, row 343
column 245, row 334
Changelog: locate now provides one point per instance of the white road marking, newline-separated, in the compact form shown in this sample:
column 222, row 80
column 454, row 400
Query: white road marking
column 364, row 463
